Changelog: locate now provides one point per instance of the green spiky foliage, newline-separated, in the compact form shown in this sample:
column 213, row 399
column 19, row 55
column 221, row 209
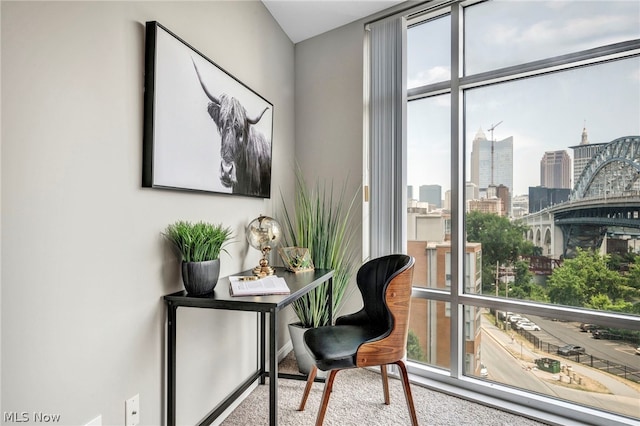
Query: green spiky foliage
column 321, row 222
column 198, row 242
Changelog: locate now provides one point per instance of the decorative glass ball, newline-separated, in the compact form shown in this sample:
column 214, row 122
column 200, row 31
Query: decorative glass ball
column 264, row 233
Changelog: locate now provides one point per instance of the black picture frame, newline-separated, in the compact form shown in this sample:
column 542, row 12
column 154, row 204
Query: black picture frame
column 204, row 130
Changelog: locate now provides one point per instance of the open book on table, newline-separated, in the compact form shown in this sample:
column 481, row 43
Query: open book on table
column 254, row 286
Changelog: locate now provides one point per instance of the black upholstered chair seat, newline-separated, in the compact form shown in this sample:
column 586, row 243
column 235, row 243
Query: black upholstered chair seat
column 335, row 347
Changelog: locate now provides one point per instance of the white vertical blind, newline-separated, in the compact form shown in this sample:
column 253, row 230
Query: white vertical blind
column 387, row 119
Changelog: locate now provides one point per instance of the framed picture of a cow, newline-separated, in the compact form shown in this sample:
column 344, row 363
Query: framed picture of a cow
column 204, row 130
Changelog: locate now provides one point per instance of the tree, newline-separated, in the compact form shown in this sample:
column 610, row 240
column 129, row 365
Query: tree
column 587, row 281
column 634, row 274
column 633, row 283
column 523, row 287
column 414, row 350
column 602, row 302
column 502, row 242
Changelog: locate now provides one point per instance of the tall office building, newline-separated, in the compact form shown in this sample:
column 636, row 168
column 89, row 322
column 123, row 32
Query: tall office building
column 410, row 192
column 582, row 154
column 492, row 165
column 555, row 169
column 431, row 194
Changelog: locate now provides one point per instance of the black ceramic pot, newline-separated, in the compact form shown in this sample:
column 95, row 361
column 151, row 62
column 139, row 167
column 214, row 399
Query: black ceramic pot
column 200, row 277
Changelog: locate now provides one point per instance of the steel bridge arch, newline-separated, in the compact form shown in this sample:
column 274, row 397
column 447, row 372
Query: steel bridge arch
column 615, row 168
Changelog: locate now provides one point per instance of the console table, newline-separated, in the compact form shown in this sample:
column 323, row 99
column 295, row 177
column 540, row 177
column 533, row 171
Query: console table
column 299, row 284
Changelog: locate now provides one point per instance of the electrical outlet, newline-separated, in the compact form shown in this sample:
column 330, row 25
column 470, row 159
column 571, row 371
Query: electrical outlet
column 132, row 411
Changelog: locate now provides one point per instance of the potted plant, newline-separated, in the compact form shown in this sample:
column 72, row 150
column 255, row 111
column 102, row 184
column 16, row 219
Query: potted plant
column 199, row 245
column 320, row 223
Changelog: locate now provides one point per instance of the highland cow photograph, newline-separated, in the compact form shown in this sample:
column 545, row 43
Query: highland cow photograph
column 204, row 130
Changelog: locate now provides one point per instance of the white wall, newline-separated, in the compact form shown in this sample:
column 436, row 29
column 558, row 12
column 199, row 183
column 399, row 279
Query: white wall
column 329, row 116
column 84, row 267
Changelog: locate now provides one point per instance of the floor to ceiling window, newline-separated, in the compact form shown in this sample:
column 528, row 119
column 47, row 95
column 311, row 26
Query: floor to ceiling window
column 523, row 138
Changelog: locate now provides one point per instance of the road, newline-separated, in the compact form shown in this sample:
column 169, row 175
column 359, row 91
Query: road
column 563, row 333
column 511, row 362
column 508, row 369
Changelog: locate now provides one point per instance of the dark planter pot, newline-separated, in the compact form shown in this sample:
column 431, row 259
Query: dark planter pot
column 200, row 277
column 304, row 360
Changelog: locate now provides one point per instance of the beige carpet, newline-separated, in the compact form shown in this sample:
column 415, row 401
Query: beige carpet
column 357, row 400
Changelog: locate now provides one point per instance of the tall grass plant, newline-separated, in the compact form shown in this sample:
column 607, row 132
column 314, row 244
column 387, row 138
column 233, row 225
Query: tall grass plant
column 198, row 242
column 322, row 222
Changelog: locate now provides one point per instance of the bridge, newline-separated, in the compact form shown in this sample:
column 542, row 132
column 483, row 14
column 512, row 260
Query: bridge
column 605, row 201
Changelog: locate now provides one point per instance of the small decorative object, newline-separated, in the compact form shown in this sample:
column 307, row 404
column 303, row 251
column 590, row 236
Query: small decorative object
column 263, row 233
column 199, row 246
column 296, row 259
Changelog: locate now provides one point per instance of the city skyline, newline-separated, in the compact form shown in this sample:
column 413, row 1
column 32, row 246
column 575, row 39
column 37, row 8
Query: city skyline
column 542, row 113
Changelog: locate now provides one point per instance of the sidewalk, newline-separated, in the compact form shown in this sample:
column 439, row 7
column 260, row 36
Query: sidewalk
column 597, row 388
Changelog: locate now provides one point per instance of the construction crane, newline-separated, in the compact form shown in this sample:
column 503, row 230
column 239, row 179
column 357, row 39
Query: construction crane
column 493, row 126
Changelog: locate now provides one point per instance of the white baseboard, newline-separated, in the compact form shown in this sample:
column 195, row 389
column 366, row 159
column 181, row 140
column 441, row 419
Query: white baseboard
column 284, row 350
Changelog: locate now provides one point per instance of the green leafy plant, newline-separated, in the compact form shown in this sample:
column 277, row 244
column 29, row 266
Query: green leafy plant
column 198, row 242
column 321, row 223
column 414, row 350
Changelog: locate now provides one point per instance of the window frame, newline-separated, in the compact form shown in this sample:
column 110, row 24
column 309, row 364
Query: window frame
column 455, row 380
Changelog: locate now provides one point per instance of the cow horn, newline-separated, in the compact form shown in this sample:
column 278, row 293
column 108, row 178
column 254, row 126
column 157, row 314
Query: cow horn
column 209, row 95
column 255, row 120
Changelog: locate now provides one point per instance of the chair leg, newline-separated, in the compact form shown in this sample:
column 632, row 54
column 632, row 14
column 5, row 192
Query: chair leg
column 307, row 389
column 328, row 386
column 407, row 392
column 385, row 384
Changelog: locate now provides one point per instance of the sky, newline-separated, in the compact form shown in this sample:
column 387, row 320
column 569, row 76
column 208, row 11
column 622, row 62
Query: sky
column 545, row 113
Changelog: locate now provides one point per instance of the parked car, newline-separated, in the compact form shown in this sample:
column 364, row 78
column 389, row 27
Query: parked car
column 570, row 350
column 588, row 327
column 605, row 334
column 522, row 321
column 527, row 325
column 515, row 318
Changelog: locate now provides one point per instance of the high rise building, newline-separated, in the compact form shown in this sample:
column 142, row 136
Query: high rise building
column 491, row 168
column 410, row 192
column 491, row 162
column 582, row 154
column 431, row 194
column 555, row 170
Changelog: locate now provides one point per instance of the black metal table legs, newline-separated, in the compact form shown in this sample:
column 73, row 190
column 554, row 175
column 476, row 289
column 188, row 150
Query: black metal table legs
column 273, row 369
column 171, row 364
